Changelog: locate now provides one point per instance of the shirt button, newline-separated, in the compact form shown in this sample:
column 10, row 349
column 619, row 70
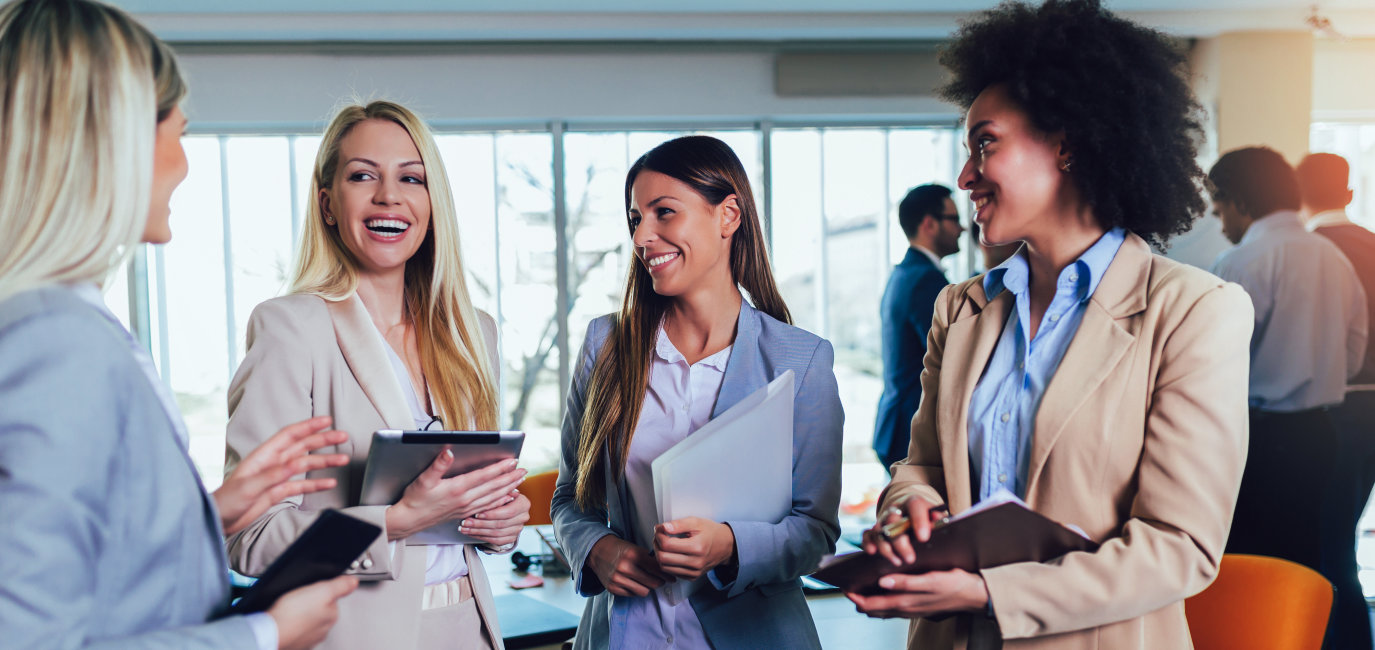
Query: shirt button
column 1054, row 317
column 670, row 639
column 1002, row 478
column 1006, row 417
column 685, row 408
column 1073, row 278
column 367, row 563
column 354, row 565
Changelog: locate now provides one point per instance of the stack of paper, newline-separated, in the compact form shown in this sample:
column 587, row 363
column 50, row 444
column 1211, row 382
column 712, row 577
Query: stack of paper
column 738, row 466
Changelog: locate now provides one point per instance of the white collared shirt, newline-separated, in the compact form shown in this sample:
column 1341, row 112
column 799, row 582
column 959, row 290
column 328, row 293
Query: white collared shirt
column 1327, row 218
column 678, row 400
column 929, row 255
column 1310, row 329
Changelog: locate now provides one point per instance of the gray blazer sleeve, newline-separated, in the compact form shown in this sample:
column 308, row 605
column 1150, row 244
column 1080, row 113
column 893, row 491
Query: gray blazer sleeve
column 776, row 552
column 63, row 396
column 577, row 529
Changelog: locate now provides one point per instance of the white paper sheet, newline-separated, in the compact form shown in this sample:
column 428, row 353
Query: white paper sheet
column 738, row 466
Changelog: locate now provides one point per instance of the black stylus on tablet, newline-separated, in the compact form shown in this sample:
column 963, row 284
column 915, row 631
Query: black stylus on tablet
column 324, row 551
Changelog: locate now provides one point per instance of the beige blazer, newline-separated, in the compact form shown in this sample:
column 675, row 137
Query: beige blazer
column 308, row 357
column 1140, row 441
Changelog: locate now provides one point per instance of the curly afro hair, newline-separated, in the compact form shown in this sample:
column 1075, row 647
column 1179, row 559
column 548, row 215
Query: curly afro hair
column 1117, row 90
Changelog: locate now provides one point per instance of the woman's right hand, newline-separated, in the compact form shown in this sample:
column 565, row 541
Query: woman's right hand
column 898, row 548
column 624, row 568
column 305, row 615
column 431, row 499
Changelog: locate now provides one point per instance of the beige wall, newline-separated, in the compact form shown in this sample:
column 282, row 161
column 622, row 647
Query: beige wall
column 1344, row 80
column 1265, row 90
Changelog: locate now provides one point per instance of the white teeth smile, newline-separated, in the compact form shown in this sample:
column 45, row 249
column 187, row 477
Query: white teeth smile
column 660, row 260
column 981, row 202
column 387, row 226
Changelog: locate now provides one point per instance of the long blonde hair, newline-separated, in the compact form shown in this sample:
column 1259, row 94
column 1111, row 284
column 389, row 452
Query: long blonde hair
column 620, row 374
column 82, row 91
column 453, row 352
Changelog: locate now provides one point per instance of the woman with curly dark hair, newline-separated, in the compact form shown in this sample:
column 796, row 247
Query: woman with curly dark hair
column 1102, row 384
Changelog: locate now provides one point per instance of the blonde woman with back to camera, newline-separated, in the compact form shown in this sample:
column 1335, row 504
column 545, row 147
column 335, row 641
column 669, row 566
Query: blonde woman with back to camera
column 110, row 540
column 379, row 332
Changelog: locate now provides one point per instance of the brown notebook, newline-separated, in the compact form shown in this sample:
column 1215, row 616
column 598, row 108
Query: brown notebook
column 1002, row 534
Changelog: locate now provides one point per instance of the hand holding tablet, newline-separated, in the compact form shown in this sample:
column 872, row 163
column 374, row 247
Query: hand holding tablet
column 435, row 479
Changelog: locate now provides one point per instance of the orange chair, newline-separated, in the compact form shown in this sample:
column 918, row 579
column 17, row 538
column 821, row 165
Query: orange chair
column 539, row 489
column 1260, row 603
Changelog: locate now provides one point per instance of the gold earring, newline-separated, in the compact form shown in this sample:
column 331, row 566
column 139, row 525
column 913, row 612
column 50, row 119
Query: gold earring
column 1064, row 167
column 329, row 220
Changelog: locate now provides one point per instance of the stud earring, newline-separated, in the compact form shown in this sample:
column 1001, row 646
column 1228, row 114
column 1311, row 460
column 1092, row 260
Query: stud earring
column 1064, row 167
column 329, row 220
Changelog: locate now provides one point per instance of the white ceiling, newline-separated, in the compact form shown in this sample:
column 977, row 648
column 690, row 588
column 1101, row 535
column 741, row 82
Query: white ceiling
column 485, row 21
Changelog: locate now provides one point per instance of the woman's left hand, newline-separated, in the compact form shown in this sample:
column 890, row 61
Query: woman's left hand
column 262, row 478
column 689, row 547
column 925, row 594
column 501, row 525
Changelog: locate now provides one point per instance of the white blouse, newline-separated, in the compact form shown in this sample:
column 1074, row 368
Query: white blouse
column 443, row 562
column 678, row 400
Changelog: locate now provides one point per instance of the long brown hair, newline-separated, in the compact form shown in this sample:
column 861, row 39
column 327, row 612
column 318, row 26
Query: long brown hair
column 620, row 373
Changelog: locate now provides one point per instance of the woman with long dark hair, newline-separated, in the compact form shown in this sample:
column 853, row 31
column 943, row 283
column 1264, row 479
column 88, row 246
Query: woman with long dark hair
column 684, row 347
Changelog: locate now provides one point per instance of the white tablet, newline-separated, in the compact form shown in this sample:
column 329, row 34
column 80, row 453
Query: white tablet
column 397, row 457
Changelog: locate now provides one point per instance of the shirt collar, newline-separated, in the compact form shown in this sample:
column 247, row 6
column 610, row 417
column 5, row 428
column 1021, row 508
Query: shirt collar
column 1327, row 218
column 1275, row 221
column 665, row 350
column 90, row 294
column 929, row 255
column 1081, row 277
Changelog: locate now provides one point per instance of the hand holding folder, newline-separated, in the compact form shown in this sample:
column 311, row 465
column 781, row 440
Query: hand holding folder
column 1000, row 530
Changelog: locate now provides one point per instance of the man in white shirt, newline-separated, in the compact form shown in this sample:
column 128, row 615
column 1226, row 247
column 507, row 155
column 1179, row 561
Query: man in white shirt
column 1309, row 337
column 1324, row 185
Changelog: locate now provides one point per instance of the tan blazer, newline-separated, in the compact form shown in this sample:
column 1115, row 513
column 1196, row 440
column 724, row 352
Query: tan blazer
column 1140, row 441
column 308, row 357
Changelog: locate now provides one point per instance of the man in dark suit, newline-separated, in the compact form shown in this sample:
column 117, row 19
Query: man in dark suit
column 932, row 226
column 1323, row 184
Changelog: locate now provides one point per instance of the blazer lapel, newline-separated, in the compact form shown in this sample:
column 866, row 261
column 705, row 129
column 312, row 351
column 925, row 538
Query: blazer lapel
column 969, row 342
column 362, row 344
column 1098, row 346
column 745, row 371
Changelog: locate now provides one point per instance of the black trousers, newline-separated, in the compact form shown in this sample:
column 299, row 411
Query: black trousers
column 1347, row 493
column 1279, row 510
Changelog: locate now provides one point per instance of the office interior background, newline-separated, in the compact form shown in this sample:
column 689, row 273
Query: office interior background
column 541, row 105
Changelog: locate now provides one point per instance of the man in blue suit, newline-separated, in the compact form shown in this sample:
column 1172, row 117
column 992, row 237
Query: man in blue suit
column 932, row 226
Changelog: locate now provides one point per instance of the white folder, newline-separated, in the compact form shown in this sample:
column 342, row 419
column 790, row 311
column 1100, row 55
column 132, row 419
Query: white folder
column 738, row 466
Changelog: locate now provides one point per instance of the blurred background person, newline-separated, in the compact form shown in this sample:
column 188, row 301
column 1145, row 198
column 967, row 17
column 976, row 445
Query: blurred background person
column 1310, row 337
column 1325, row 192
column 932, row 225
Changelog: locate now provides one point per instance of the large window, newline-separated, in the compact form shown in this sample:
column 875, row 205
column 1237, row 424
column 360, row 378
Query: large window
column 829, row 197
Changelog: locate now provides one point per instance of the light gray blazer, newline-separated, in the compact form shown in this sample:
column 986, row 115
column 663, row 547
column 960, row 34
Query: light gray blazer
column 764, row 607
column 108, row 539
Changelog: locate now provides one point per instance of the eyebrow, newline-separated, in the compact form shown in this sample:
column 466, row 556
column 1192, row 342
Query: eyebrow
column 365, row 161
column 981, row 124
column 655, row 201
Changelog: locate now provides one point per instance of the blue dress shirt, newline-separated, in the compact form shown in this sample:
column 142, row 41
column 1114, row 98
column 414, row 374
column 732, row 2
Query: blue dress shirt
column 1002, row 411
column 1310, row 332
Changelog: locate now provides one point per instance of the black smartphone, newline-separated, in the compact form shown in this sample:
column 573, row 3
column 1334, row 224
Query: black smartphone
column 324, row 551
